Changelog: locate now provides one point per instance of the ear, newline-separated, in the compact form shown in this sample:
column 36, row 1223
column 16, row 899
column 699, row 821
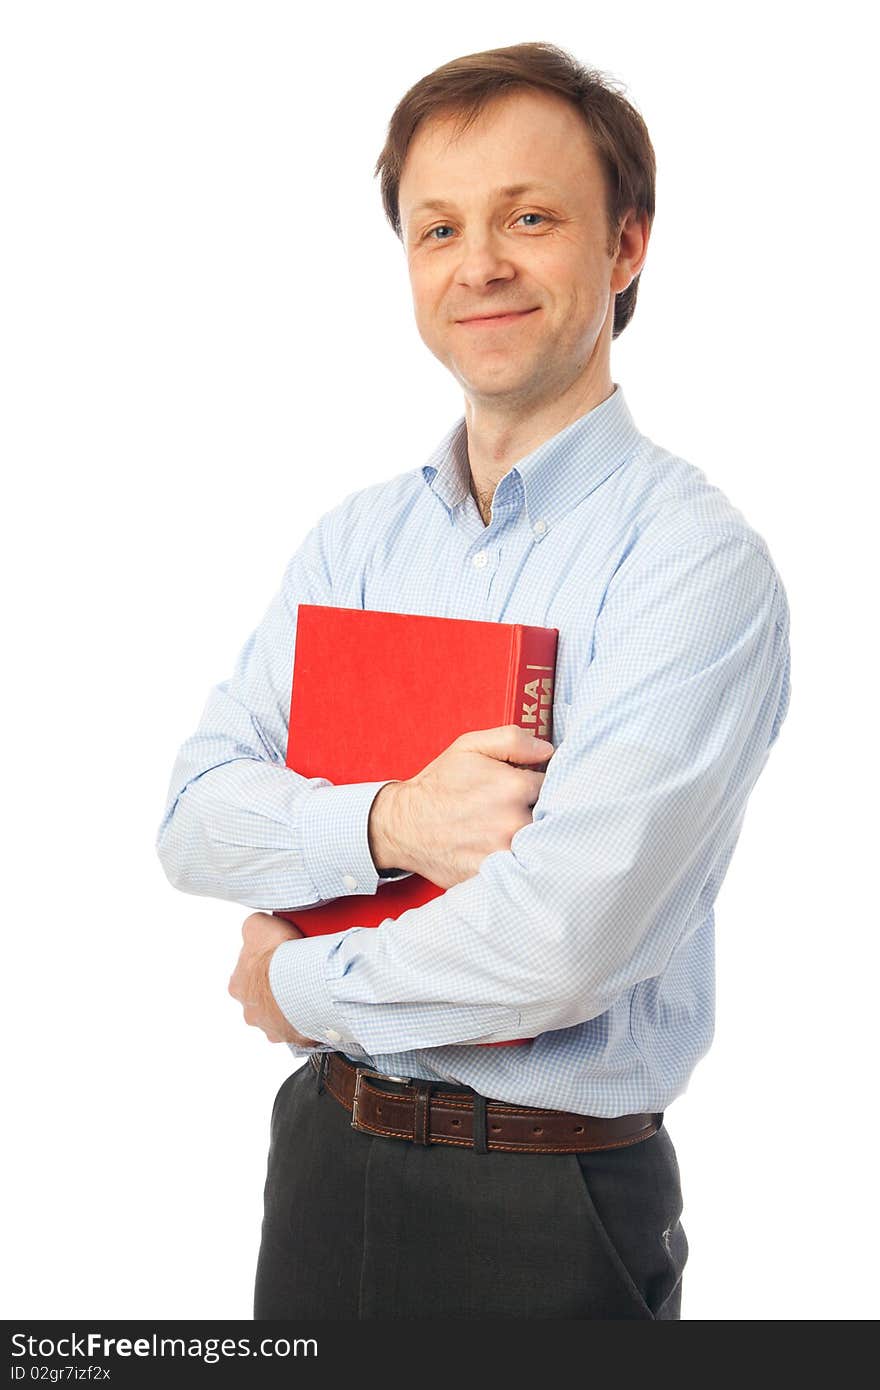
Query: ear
column 631, row 249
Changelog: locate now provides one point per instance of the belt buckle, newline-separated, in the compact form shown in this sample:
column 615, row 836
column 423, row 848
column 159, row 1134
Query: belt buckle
column 380, row 1076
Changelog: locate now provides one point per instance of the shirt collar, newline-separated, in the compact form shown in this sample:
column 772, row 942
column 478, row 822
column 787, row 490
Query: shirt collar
column 552, row 478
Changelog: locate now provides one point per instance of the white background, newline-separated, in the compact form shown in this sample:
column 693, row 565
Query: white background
column 207, row 341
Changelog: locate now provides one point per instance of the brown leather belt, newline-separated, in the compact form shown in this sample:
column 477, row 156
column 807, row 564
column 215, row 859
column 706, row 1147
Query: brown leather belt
column 433, row 1112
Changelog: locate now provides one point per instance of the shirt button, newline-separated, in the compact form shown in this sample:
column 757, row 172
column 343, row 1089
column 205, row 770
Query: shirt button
column 480, row 559
column 540, row 526
column 332, row 1035
column 349, row 882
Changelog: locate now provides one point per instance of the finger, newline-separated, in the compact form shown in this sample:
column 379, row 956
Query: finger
column 257, row 923
column 510, row 743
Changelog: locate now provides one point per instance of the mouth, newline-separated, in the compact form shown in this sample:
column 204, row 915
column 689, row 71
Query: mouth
column 496, row 320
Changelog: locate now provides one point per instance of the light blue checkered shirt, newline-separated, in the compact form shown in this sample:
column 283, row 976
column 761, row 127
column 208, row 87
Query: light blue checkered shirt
column 594, row 932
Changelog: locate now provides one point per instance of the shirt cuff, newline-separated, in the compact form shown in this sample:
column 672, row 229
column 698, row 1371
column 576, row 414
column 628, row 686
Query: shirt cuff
column 332, row 832
column 298, row 980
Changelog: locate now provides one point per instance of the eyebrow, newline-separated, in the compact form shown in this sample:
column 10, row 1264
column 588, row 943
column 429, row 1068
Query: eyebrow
column 512, row 190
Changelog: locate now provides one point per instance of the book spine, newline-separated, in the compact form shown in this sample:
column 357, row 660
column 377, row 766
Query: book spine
column 530, row 680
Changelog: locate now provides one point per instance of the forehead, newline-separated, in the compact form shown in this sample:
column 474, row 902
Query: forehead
column 526, row 137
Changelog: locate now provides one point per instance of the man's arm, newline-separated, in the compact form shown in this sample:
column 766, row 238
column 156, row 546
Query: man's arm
column 238, row 823
column 669, row 731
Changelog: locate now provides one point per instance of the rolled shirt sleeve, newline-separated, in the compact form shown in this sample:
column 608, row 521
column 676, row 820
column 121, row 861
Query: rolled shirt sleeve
column 669, row 728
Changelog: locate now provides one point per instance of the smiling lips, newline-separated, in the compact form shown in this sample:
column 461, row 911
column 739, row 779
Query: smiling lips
column 496, row 320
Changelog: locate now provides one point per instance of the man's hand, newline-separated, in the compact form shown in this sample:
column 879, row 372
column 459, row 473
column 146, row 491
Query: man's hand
column 249, row 984
column 466, row 804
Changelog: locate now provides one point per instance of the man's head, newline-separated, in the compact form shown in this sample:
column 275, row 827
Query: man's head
column 568, row 248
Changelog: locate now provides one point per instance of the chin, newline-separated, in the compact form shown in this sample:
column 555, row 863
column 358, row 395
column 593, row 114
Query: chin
column 495, row 383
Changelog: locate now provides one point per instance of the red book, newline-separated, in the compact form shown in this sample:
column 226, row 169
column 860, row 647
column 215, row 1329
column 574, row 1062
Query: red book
column 379, row 695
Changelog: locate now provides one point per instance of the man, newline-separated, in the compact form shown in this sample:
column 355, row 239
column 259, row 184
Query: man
column 536, row 1180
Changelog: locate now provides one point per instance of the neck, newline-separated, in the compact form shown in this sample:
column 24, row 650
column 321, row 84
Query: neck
column 499, row 438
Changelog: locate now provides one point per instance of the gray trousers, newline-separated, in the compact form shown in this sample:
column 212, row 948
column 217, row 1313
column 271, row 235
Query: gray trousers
column 360, row 1226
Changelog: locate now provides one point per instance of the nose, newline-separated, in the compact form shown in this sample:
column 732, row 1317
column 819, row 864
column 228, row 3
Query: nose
column 483, row 257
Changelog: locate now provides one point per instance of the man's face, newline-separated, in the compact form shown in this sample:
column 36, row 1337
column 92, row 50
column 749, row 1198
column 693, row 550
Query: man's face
column 482, row 249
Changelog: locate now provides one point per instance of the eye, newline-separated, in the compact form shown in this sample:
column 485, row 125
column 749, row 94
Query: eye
column 445, row 227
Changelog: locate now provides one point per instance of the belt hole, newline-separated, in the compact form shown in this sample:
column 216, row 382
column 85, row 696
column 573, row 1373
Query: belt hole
column 578, row 1129
column 537, row 1130
column 495, row 1127
column 456, row 1122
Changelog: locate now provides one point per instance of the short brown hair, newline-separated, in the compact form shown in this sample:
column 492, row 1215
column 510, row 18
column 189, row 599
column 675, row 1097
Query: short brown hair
column 464, row 86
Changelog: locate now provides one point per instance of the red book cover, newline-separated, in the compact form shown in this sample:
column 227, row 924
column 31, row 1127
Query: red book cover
column 379, row 695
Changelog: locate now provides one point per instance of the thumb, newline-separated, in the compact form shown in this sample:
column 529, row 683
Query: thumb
column 510, row 743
